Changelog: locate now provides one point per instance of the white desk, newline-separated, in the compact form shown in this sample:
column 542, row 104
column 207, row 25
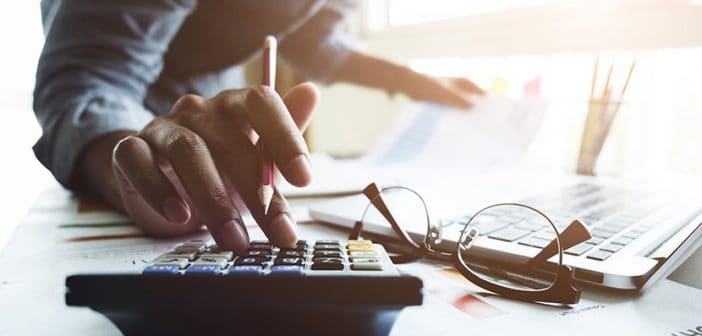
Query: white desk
column 41, row 253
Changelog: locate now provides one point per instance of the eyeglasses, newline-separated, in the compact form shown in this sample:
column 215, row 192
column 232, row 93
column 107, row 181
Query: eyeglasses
column 486, row 252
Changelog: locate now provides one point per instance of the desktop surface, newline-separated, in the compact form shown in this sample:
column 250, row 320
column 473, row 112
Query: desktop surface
column 44, row 249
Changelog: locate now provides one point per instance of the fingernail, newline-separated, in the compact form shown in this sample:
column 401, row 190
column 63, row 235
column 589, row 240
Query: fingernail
column 233, row 235
column 175, row 210
column 297, row 171
column 284, row 230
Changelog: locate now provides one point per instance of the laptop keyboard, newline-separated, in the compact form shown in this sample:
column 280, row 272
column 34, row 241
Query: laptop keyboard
column 616, row 217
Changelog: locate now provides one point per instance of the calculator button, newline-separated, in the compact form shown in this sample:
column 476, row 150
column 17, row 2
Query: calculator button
column 370, row 266
column 261, row 246
column 220, row 262
column 334, row 248
column 162, row 270
column 360, row 242
column 173, row 254
column 250, row 261
column 328, row 264
column 245, row 270
column 360, row 248
column 298, row 254
column 288, row 261
column 198, row 248
column 365, row 260
column 179, row 262
column 203, row 270
column 327, row 254
column 354, row 255
column 327, row 242
column 286, row 270
column 297, row 248
column 258, row 254
column 218, row 254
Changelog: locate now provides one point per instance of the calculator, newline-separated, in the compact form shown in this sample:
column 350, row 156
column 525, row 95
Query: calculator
column 316, row 287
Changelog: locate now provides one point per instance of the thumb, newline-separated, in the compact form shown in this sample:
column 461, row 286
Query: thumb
column 301, row 101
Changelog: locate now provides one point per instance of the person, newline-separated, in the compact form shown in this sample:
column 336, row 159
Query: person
column 142, row 104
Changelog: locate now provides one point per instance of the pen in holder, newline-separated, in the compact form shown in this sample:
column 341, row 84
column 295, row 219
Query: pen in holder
column 600, row 115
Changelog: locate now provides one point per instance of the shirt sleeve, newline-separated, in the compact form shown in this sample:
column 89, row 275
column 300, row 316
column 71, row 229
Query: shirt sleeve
column 98, row 59
column 318, row 47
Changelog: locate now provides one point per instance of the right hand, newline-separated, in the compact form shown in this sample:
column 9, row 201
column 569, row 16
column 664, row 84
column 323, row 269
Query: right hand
column 198, row 165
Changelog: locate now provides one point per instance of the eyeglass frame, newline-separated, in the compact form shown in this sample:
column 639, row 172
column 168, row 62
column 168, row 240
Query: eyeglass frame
column 560, row 291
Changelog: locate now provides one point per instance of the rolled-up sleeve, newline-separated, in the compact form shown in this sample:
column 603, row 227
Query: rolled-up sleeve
column 318, row 47
column 98, row 60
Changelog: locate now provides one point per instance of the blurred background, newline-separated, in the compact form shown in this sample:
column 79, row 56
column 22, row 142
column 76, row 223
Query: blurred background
column 512, row 48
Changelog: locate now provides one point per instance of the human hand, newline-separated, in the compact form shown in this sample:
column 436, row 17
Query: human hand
column 198, row 165
column 451, row 91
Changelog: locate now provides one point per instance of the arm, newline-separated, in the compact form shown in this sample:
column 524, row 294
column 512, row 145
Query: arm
column 172, row 174
column 319, row 50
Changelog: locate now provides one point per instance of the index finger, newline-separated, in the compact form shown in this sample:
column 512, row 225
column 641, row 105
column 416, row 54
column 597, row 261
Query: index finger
column 265, row 110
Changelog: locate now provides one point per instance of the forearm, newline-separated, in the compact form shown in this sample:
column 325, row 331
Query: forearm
column 368, row 71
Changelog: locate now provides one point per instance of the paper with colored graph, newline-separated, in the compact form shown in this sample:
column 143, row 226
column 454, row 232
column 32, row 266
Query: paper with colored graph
column 454, row 306
column 494, row 133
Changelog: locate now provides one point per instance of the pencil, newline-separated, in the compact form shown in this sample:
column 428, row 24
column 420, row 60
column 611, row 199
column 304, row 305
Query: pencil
column 265, row 191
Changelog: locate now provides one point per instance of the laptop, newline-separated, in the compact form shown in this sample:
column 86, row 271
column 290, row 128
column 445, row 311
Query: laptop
column 639, row 235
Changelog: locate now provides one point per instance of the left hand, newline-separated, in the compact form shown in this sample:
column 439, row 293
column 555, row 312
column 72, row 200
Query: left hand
column 452, row 91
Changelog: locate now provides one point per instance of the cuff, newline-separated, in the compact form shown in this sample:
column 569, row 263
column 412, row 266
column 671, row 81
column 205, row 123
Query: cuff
column 81, row 122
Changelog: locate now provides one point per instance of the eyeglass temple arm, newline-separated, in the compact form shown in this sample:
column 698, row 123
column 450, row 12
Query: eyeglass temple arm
column 373, row 194
column 574, row 234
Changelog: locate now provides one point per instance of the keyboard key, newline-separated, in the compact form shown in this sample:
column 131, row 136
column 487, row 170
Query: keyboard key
column 301, row 243
column 258, row 254
column 546, row 234
column 328, row 254
column 529, row 226
column 162, row 270
column 599, row 255
column 622, row 241
column 486, row 226
column 219, row 262
column 579, row 249
column 595, row 240
column 534, row 242
column 328, row 264
column 298, row 254
column 218, row 254
column 633, row 234
column 611, row 247
column 610, row 227
column 245, row 270
column 179, row 262
column 288, row 261
column 601, row 233
column 509, row 234
column 256, row 261
column 286, row 270
column 203, row 270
